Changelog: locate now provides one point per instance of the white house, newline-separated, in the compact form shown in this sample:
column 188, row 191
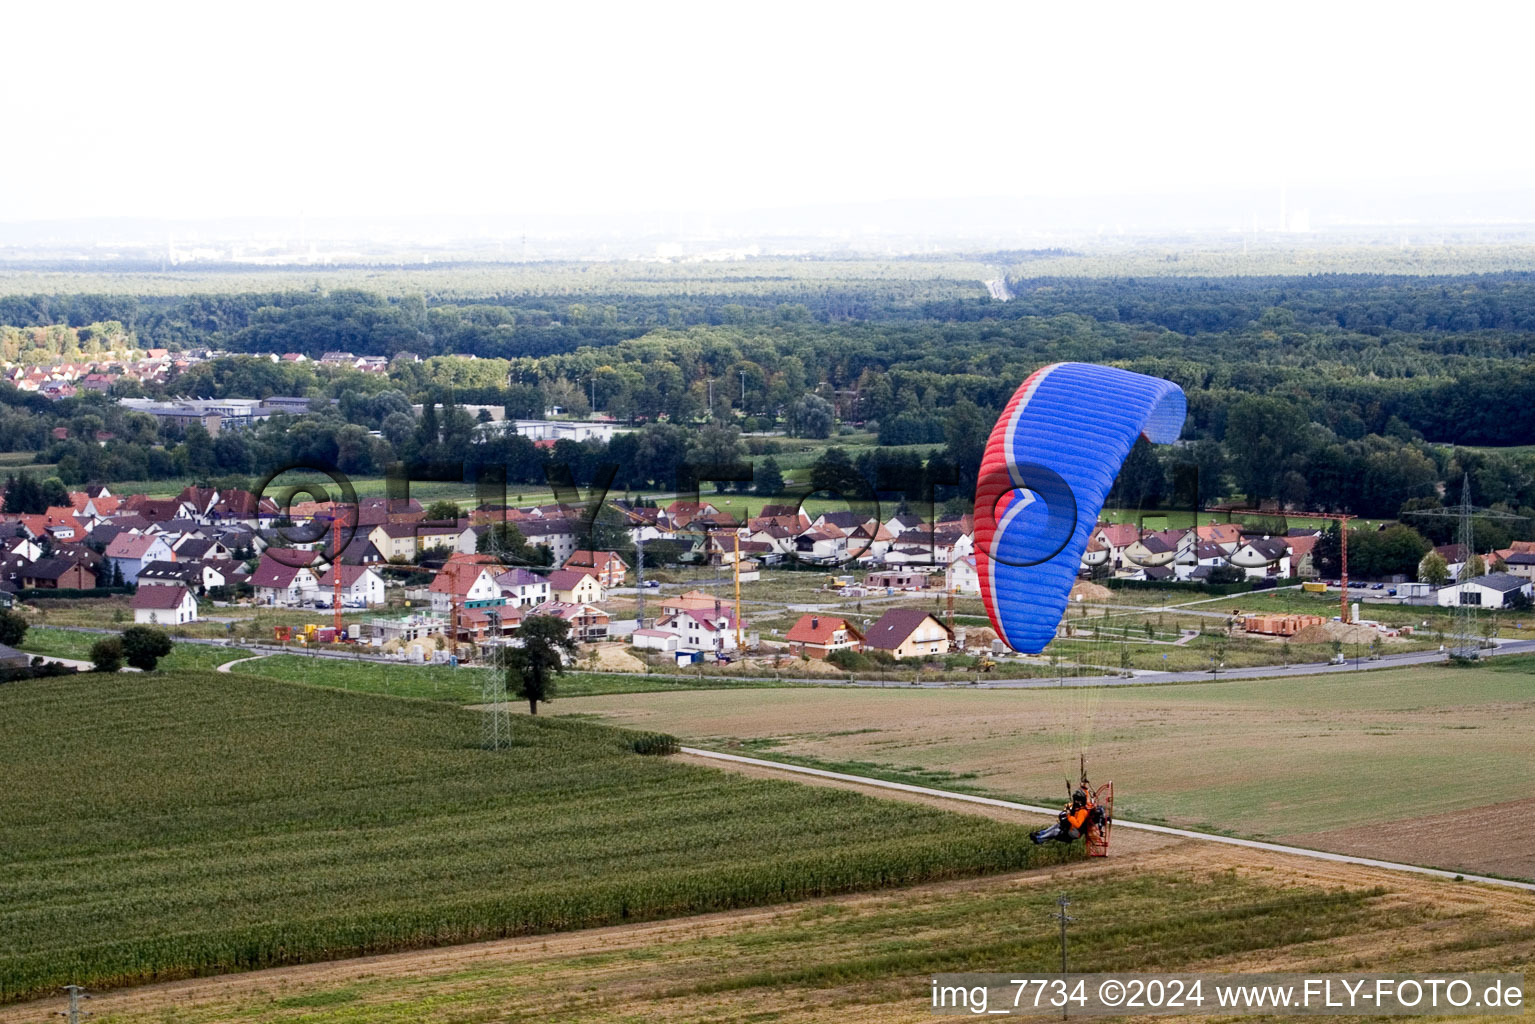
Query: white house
column 699, row 630
column 1265, row 556
column 1494, row 590
column 164, row 606
column 822, row 544
column 474, row 586
column 961, row 577
column 558, row 535
column 360, row 585
column 523, row 589
column 282, row 585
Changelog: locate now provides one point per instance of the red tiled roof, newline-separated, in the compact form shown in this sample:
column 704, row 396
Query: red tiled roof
column 819, row 629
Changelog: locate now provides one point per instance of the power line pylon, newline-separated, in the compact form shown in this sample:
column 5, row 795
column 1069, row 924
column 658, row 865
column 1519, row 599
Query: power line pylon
column 496, row 725
column 1465, row 640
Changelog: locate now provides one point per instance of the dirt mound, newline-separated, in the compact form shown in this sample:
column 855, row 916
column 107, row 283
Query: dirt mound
column 979, row 638
column 613, row 658
column 793, row 665
column 1327, row 632
column 1085, row 591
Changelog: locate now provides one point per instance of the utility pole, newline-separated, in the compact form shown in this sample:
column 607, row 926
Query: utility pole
column 452, row 571
column 711, row 399
column 1063, row 903
column 593, row 402
column 740, row 648
column 639, row 576
column 335, row 569
column 74, row 1014
column 743, row 390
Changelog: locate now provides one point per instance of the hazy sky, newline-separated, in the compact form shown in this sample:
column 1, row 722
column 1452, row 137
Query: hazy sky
column 202, row 110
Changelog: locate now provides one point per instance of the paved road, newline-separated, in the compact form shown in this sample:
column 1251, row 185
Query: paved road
column 1138, row 678
column 1051, row 812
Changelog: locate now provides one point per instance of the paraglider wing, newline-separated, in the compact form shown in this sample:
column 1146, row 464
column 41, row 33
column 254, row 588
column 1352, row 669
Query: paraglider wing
column 1049, row 465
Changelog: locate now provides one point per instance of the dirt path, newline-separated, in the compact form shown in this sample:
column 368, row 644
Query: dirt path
column 228, row 666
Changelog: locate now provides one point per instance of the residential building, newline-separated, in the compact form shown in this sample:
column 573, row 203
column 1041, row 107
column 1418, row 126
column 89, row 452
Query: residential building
column 608, row 566
column 471, row 585
column 698, row 629
column 908, row 633
column 896, row 579
column 817, row 636
column 58, row 574
column 164, row 606
column 574, row 587
column 1262, row 556
column 360, row 585
column 587, row 624
column 395, row 541
column 522, row 588
column 282, row 582
column 962, row 577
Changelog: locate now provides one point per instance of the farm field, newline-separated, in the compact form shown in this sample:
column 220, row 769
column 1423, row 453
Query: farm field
column 1380, row 752
column 866, row 958
column 451, row 685
column 185, row 823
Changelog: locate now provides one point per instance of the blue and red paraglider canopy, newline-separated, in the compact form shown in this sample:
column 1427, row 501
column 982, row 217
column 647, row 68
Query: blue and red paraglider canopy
column 1048, row 467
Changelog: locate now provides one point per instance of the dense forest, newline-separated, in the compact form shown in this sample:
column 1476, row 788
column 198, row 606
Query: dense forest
column 1362, row 392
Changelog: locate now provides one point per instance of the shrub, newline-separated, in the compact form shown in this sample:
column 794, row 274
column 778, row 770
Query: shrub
column 13, row 628
column 144, row 646
column 848, row 660
column 107, row 653
column 658, row 743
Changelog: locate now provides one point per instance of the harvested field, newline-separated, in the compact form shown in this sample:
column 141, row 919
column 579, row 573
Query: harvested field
column 1263, row 758
column 1496, row 839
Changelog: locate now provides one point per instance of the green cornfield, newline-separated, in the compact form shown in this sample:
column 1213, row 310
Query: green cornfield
column 188, row 823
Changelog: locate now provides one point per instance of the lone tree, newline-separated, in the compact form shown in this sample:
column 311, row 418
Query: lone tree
column 13, row 628
column 531, row 668
column 143, row 647
column 107, row 653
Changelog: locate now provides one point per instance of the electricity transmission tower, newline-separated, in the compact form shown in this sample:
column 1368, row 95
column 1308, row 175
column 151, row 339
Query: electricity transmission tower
column 1465, row 639
column 496, row 726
